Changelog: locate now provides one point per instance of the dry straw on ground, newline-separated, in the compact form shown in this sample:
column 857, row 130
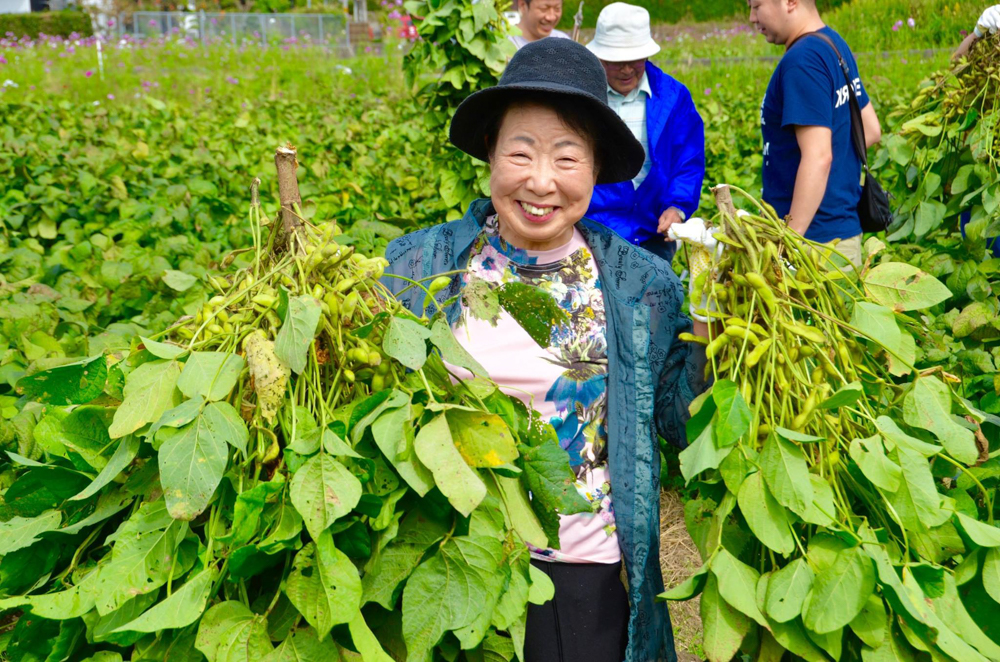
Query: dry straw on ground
column 678, row 559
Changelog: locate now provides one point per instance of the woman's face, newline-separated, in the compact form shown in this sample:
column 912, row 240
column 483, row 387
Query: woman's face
column 542, row 175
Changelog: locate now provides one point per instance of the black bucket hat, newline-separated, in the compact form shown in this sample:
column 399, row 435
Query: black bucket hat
column 553, row 66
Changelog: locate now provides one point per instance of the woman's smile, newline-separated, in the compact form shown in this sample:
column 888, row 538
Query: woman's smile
column 537, row 213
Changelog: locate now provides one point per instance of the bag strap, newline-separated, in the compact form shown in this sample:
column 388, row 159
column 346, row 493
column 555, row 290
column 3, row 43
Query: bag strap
column 857, row 122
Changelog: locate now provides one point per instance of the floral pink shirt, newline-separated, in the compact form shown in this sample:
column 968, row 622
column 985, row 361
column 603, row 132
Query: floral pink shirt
column 565, row 381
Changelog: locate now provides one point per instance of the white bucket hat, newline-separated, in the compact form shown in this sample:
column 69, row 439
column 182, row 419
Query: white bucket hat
column 623, row 34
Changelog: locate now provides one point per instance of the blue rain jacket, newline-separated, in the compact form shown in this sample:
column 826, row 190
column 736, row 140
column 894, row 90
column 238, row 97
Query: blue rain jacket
column 676, row 141
column 652, row 378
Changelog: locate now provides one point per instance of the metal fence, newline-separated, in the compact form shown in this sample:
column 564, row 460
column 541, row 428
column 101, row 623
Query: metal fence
column 328, row 29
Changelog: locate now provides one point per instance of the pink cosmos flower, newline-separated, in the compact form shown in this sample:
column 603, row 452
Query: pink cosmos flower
column 88, row 73
column 912, row 23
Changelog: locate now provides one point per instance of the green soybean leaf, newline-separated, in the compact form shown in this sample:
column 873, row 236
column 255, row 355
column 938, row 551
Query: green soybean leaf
column 737, row 583
column 877, row 323
column 724, row 626
column 162, row 350
column 517, row 511
column 734, row 416
column 303, row 645
column 178, row 280
column 71, row 384
column 840, row 592
column 483, row 439
column 405, row 341
column 844, row 396
column 323, row 490
column 225, row 422
column 451, row 350
column 792, row 435
column 249, row 507
column 85, row 432
column 394, row 564
column 950, row 608
column 896, row 437
column 150, row 390
column 541, row 589
column 212, row 375
column 127, row 449
column 436, row 450
column 448, row 592
column 142, row 557
column 20, row 532
column 917, row 501
column 688, row 588
column 793, row 637
column 181, row 609
column 783, row 465
column 366, row 642
column 295, row 337
column 831, row 642
column 180, row 415
column 903, row 287
column 108, row 504
column 71, row 603
column 823, row 509
column 872, row 622
column 394, row 436
column 981, row 533
column 230, row 632
column 928, row 406
column 871, row 459
column 991, row 573
column 324, row 585
column 787, row 590
column 703, row 454
column 764, row 515
column 534, row 309
column 192, row 460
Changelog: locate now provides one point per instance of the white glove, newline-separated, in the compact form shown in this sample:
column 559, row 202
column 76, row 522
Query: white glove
column 989, row 22
column 696, row 234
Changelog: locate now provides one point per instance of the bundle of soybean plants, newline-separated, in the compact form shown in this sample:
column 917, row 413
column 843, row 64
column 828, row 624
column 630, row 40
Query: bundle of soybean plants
column 290, row 474
column 838, row 513
column 943, row 158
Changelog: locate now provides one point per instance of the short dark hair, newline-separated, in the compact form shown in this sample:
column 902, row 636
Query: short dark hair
column 573, row 114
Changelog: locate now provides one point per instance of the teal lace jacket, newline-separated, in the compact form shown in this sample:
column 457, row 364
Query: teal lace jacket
column 652, row 378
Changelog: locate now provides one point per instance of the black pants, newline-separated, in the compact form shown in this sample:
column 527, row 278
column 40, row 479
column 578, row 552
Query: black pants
column 659, row 246
column 586, row 621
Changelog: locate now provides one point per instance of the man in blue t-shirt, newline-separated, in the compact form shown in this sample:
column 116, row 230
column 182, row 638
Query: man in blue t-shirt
column 812, row 173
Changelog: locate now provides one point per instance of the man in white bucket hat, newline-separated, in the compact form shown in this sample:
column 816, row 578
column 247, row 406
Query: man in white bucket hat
column 661, row 114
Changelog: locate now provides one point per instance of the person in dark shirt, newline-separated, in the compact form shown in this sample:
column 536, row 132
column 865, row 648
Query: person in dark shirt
column 812, row 172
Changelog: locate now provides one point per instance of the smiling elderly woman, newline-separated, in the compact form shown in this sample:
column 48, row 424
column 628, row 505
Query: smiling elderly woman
column 609, row 383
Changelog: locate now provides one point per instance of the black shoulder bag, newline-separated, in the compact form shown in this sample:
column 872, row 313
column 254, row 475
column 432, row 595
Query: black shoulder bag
column 874, row 209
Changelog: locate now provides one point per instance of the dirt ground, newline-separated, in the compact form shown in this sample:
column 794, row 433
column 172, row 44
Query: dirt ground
column 678, row 559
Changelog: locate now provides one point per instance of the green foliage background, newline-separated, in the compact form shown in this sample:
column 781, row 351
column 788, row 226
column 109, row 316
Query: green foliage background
column 62, row 24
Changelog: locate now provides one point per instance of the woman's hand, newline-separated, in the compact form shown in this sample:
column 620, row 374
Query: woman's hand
column 989, row 22
column 705, row 250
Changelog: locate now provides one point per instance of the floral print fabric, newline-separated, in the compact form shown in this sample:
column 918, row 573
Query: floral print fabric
column 565, row 381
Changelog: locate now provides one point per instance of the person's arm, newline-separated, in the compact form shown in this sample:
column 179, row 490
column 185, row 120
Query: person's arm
column 965, row 46
column 816, row 145
column 873, row 128
column 988, row 23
